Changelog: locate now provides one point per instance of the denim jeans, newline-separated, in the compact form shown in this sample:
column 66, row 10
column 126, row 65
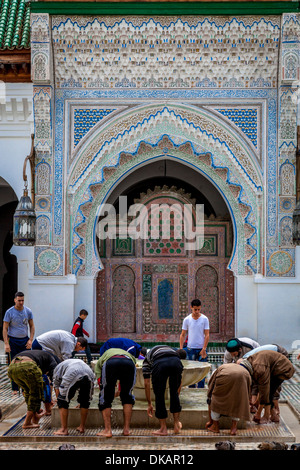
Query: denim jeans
column 194, row 355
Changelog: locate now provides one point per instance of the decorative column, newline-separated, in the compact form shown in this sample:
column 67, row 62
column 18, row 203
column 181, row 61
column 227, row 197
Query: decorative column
column 281, row 260
column 49, row 249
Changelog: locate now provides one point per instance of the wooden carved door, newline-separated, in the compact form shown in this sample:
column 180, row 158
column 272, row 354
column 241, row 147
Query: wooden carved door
column 146, row 286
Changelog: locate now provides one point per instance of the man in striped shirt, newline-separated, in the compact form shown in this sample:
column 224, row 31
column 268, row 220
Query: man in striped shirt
column 160, row 364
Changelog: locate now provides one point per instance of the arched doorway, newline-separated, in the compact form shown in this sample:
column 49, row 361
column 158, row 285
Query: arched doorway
column 223, row 169
column 145, row 287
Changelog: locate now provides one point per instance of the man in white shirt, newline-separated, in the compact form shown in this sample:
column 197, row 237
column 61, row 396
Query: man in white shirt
column 196, row 326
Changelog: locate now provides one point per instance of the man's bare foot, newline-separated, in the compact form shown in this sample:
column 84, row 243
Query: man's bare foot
column 208, row 424
column 275, row 416
column 213, row 428
column 126, row 432
column 29, row 426
column 61, row 432
column 264, row 420
column 104, row 433
column 177, row 427
column 233, row 431
column 80, row 429
column 160, row 432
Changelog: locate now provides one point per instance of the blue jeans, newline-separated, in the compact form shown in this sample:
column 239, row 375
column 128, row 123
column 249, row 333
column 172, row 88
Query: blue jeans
column 194, row 355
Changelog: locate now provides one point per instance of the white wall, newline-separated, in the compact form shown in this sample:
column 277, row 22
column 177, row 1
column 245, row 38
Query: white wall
column 51, row 299
column 52, row 303
column 246, row 307
column 268, row 309
column 85, row 297
column 278, row 314
column 16, row 126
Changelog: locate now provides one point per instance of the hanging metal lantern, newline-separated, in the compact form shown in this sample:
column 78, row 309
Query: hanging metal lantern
column 24, row 216
column 24, row 222
column 296, row 224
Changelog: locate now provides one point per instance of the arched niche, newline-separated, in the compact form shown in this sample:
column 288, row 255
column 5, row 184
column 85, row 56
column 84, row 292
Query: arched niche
column 131, row 141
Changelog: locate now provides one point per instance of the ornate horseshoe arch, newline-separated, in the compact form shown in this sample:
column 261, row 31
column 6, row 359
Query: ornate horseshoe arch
column 190, row 135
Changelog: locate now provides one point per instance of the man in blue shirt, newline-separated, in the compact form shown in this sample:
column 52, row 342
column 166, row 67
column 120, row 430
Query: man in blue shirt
column 16, row 322
column 124, row 343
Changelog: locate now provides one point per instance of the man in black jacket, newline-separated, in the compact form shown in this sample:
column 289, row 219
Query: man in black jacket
column 162, row 363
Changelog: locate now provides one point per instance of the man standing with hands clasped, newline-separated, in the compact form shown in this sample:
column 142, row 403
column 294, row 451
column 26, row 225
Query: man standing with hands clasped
column 196, row 326
column 16, row 323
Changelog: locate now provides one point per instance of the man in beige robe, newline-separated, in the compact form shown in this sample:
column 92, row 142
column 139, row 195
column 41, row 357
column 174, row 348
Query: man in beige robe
column 270, row 369
column 228, row 394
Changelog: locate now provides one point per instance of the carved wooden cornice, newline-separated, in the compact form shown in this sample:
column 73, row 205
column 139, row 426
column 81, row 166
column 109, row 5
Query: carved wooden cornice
column 15, row 66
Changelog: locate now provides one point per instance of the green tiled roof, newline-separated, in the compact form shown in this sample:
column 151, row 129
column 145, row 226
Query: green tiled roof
column 14, row 24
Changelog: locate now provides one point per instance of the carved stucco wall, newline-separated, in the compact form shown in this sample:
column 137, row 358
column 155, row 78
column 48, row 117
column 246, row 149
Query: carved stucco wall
column 223, row 92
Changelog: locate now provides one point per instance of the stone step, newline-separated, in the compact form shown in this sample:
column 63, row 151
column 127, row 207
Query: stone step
column 194, row 414
column 143, row 436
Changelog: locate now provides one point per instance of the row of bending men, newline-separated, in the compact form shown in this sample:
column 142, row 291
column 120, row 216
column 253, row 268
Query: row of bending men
column 26, row 355
column 38, row 370
column 249, row 381
column 35, row 370
column 62, row 345
column 249, row 372
column 250, row 376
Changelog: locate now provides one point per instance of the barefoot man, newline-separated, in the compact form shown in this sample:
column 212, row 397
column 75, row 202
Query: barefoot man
column 162, row 363
column 26, row 370
column 68, row 377
column 114, row 365
column 228, row 394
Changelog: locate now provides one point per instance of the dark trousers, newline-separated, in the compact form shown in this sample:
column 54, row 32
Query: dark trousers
column 275, row 387
column 16, row 345
column 36, row 345
column 164, row 369
column 114, row 369
column 84, row 395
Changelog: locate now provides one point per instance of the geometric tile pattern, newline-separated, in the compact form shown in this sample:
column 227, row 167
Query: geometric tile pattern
column 245, row 119
column 85, row 119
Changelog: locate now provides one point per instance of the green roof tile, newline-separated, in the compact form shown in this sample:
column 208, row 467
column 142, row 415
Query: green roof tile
column 14, row 24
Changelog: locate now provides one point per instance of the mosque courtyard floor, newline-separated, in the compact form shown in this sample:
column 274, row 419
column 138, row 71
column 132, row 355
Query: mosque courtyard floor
column 191, row 438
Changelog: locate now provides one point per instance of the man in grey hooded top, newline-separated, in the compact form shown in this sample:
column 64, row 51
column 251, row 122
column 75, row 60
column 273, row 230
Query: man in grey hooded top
column 68, row 377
